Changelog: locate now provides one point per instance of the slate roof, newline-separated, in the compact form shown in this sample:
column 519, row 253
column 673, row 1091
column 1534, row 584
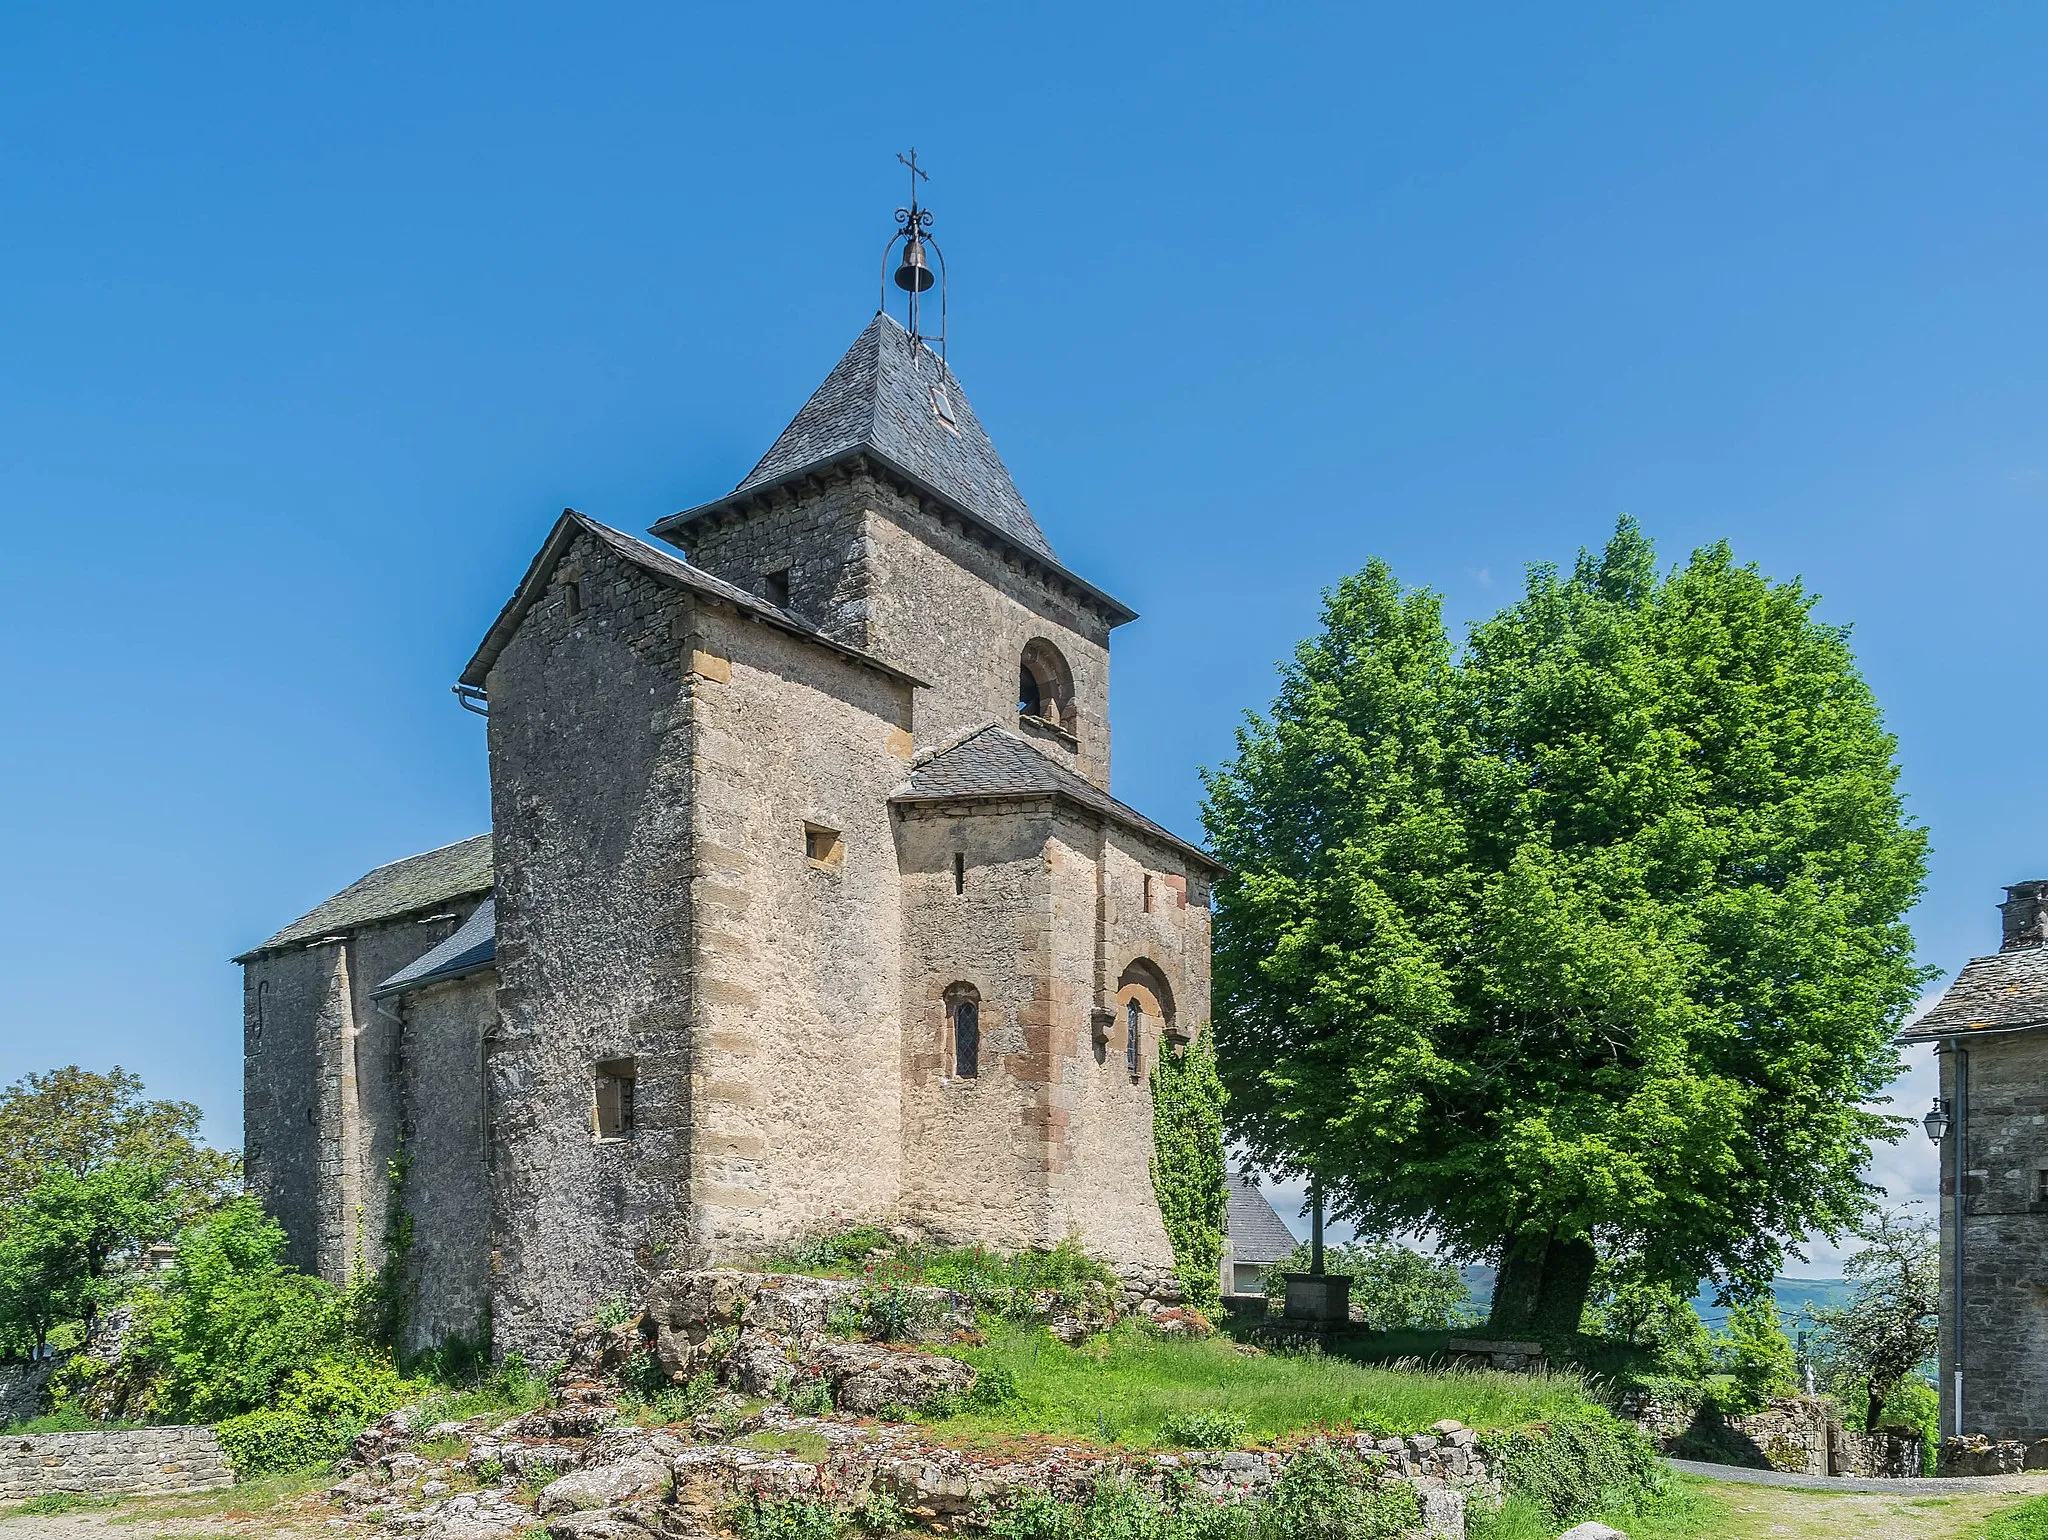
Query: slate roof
column 2002, row 991
column 992, row 762
column 882, row 401
column 665, row 565
column 1258, row 1235
column 417, row 882
column 471, row 949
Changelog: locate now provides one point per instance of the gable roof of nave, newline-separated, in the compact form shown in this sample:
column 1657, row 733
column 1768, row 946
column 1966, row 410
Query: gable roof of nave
column 990, row 762
column 665, row 566
column 397, row 888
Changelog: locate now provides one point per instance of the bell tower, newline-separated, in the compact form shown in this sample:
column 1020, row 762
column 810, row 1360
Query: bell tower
column 883, row 517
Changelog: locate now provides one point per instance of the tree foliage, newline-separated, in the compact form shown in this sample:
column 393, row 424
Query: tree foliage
column 1187, row 1166
column 58, row 1240
column 1590, row 937
column 74, row 1120
column 1888, row 1328
column 1393, row 1287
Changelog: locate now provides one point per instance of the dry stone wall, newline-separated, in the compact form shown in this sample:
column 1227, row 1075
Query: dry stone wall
column 140, row 1461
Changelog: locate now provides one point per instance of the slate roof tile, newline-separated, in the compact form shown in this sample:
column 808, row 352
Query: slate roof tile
column 472, row 948
column 992, row 762
column 417, row 882
column 1258, row 1234
column 2006, row 989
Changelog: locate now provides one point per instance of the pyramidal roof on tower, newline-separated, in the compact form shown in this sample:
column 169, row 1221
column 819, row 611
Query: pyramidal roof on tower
column 894, row 398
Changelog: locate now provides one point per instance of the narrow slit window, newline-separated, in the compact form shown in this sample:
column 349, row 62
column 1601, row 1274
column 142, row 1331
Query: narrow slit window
column 2041, row 1185
column 615, row 1087
column 775, row 587
column 1148, row 892
column 572, row 598
column 1134, row 1021
column 966, row 1039
column 959, row 871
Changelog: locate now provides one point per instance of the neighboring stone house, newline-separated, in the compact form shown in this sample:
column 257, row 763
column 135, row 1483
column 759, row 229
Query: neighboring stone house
column 805, row 903
column 1989, row 1031
column 1255, row 1237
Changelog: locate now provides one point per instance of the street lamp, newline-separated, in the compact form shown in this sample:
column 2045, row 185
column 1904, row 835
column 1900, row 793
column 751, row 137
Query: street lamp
column 1937, row 1120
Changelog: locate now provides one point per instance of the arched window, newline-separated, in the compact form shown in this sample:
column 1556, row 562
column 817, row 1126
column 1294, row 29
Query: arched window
column 963, row 1011
column 1143, row 995
column 1045, row 686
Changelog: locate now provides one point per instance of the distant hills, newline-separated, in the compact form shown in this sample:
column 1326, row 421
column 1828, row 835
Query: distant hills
column 1793, row 1295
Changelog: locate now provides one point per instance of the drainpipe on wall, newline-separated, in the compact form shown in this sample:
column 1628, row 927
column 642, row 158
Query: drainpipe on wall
column 1962, row 1153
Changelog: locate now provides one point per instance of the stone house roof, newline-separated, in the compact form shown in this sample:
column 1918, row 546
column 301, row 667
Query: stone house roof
column 665, row 565
column 473, row 948
column 1258, row 1235
column 894, row 403
column 991, row 762
column 2004, row 991
column 401, row 887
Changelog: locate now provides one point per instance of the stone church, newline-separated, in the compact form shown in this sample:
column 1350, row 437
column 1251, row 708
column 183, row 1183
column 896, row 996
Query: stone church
column 804, row 903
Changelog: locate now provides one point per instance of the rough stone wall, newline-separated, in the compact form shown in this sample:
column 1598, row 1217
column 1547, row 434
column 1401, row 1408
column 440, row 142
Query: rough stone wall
column 798, row 961
column 446, row 1190
column 2005, row 1245
column 923, row 590
column 818, row 537
column 590, row 730
column 21, row 1388
column 144, row 1460
column 322, row 1109
column 974, row 1150
column 1102, row 1184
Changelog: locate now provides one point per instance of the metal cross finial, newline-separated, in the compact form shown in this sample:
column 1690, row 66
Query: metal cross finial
column 916, row 171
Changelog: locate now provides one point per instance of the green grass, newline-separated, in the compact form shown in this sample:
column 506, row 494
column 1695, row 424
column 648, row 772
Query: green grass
column 65, row 1419
column 1124, row 1387
column 2029, row 1521
column 802, row 1443
column 1687, row 1512
column 63, row 1502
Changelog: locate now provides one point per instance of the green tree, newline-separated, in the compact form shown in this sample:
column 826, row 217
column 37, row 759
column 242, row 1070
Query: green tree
column 1888, row 1328
column 231, row 1321
column 1651, row 1314
column 1393, row 1287
column 59, row 1240
column 1756, row 1355
column 78, row 1121
column 1592, row 937
column 1187, row 1166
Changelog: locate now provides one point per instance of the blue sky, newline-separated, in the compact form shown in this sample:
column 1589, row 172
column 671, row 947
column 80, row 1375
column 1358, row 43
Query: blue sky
column 312, row 318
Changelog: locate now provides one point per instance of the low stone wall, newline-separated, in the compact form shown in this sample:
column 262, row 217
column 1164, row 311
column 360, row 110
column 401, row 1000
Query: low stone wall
column 1800, row 1434
column 143, row 1460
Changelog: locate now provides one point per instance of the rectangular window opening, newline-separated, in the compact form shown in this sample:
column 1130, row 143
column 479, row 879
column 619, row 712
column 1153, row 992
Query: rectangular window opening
column 823, row 848
column 1148, row 892
column 2041, row 1184
column 615, row 1084
column 959, row 871
column 967, row 1039
column 572, row 597
column 775, row 587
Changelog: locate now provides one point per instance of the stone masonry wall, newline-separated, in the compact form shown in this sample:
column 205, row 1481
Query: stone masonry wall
column 923, row 590
column 1109, row 950
column 798, row 961
column 2005, row 1247
column 446, row 1190
column 974, row 1160
column 590, row 731
column 145, row 1460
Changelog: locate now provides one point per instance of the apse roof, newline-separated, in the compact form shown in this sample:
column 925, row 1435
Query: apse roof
column 471, row 949
column 400, row 887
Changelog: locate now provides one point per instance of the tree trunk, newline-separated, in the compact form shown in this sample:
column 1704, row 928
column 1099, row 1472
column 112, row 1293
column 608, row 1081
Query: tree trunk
column 1542, row 1287
column 1874, row 1409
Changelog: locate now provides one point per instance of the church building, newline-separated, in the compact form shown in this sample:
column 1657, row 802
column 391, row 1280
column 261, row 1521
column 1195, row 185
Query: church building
column 804, row 903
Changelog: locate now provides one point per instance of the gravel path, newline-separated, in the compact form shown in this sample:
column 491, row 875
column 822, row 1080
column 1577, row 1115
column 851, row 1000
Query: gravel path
column 1945, row 1486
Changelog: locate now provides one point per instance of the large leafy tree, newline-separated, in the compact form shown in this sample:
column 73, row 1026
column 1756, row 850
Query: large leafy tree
column 1590, row 936
column 77, row 1121
column 59, row 1241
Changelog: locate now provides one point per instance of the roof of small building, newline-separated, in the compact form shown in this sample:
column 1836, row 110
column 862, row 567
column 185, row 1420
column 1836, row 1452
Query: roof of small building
column 401, row 887
column 473, row 948
column 1258, row 1234
column 665, row 565
column 992, row 762
column 892, row 400
column 2004, row 991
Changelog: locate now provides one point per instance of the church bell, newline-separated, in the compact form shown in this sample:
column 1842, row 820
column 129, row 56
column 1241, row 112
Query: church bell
column 914, row 276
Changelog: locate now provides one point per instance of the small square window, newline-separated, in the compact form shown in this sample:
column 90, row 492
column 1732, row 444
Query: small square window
column 823, row 848
column 775, row 587
column 615, row 1085
column 572, row 598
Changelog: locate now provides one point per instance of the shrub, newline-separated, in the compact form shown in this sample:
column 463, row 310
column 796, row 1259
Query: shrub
column 1204, row 1430
column 271, row 1440
column 1330, row 1494
column 879, row 1513
column 1577, row 1466
column 319, row 1411
column 1325, row 1494
column 1034, row 1516
column 1187, row 1166
column 762, row 1517
column 810, row 1398
column 993, row 1387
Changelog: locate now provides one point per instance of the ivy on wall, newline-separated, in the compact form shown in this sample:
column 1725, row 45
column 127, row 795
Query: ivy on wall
column 1187, row 1166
